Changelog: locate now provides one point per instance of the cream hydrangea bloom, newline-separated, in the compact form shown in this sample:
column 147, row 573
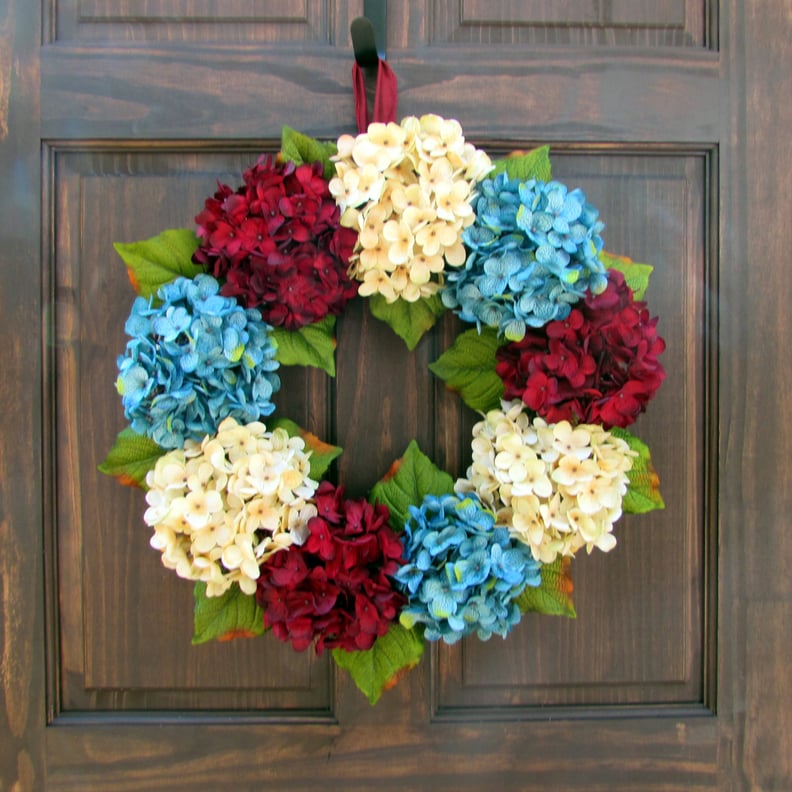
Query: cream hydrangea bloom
column 558, row 488
column 408, row 189
column 221, row 507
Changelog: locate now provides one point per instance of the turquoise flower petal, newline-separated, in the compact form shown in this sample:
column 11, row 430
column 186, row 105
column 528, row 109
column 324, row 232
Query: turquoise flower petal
column 194, row 360
column 462, row 571
column 532, row 239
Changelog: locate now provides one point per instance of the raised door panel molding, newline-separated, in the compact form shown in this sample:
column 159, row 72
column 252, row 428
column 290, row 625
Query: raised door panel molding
column 644, row 634
column 591, row 13
column 578, row 23
column 122, row 623
column 192, row 10
column 309, row 21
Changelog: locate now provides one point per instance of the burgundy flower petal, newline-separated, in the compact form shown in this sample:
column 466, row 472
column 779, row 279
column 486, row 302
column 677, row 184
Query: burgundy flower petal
column 335, row 591
column 265, row 238
column 599, row 365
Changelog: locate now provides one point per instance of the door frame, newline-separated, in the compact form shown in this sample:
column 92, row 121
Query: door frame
column 743, row 745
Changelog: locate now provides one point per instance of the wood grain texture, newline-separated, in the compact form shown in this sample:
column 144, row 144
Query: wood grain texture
column 191, row 10
column 22, row 700
column 666, row 755
column 756, row 431
column 384, row 398
column 95, row 93
column 307, row 21
column 665, row 13
column 6, row 50
column 581, row 23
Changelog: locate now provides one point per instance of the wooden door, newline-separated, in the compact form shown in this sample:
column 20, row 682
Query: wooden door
column 118, row 116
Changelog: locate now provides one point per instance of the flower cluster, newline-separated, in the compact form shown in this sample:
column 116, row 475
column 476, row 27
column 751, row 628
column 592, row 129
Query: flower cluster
column 558, row 488
column 463, row 572
column 193, row 360
column 335, row 590
column 277, row 243
column 533, row 252
column 407, row 190
column 599, row 365
column 222, row 507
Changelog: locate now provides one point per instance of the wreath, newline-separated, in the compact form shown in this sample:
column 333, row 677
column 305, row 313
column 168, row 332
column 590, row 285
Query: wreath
column 561, row 357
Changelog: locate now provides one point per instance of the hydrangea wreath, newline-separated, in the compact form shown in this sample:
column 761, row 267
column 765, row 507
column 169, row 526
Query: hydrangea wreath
column 563, row 356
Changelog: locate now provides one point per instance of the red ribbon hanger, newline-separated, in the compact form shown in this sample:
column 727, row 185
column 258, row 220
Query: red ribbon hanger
column 385, row 97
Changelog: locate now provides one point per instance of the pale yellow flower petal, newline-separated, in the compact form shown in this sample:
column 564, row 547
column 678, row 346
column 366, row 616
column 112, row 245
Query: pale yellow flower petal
column 453, row 200
column 377, row 282
column 376, row 258
column 455, row 255
column 401, row 241
column 555, row 502
column 206, row 526
column 411, row 292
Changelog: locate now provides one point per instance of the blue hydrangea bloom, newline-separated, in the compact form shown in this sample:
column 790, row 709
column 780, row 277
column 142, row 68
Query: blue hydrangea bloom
column 463, row 572
column 533, row 252
column 193, row 360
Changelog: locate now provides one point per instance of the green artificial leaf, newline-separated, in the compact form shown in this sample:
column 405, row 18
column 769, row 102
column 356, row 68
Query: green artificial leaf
column 381, row 667
column 468, row 367
column 409, row 479
column 312, row 345
column 636, row 275
column 643, row 493
column 554, row 596
column 131, row 457
column 322, row 454
column 233, row 614
column 159, row 260
column 409, row 320
column 525, row 165
column 299, row 148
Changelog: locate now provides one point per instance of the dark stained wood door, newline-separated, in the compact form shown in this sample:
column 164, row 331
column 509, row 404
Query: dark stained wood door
column 118, row 116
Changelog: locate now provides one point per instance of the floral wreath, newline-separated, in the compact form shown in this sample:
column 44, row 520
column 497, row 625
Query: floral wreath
column 562, row 356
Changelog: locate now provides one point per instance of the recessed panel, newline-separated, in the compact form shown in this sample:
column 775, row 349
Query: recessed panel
column 638, row 638
column 125, row 621
column 589, row 13
column 193, row 10
column 577, row 23
column 177, row 21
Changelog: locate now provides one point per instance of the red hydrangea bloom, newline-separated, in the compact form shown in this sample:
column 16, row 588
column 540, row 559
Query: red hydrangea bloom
column 599, row 365
column 277, row 245
column 336, row 589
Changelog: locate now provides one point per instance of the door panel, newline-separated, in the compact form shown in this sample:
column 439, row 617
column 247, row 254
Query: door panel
column 670, row 23
column 124, row 645
column 124, row 620
column 195, row 20
column 121, row 117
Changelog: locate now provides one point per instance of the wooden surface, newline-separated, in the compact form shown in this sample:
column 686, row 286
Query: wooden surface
column 675, row 675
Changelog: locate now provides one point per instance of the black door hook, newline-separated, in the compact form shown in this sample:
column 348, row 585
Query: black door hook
column 368, row 34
